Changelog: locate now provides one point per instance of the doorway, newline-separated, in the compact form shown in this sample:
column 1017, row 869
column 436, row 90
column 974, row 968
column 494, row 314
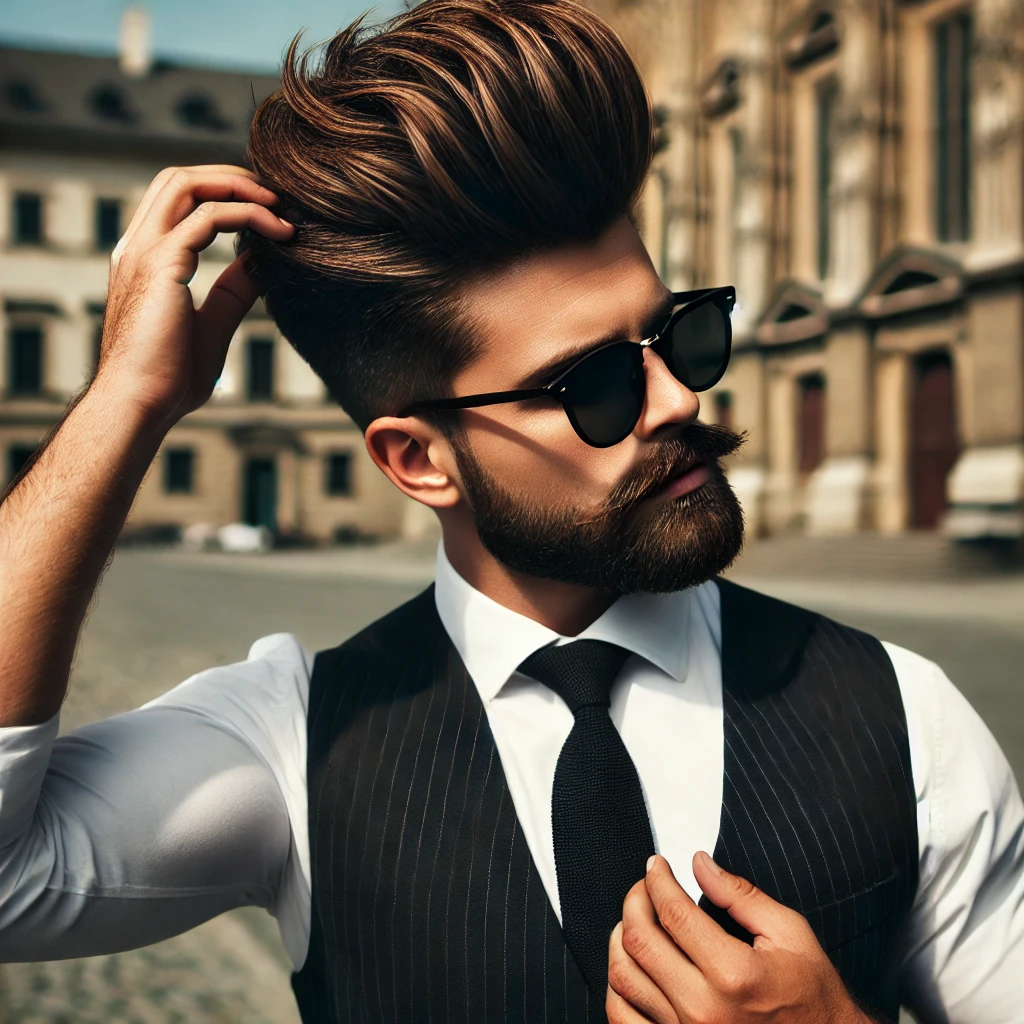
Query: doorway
column 934, row 445
column 260, row 497
column 811, row 423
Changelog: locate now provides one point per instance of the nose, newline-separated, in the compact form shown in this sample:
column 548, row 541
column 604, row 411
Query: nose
column 668, row 404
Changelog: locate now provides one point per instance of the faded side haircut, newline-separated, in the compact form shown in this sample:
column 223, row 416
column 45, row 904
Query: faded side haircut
column 461, row 136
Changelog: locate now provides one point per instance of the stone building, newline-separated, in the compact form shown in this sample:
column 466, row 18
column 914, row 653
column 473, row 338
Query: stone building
column 856, row 169
column 80, row 139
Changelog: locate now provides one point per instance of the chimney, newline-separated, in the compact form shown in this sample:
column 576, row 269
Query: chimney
column 135, row 43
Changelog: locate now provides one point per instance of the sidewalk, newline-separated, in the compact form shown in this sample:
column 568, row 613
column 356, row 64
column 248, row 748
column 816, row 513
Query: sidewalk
column 913, row 576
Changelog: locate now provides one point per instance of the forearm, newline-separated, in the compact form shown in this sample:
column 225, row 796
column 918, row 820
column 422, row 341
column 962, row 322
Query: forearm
column 58, row 526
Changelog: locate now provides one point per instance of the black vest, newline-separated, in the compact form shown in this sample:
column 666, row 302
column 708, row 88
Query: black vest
column 426, row 905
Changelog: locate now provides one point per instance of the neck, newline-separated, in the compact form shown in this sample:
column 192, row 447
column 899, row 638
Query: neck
column 563, row 607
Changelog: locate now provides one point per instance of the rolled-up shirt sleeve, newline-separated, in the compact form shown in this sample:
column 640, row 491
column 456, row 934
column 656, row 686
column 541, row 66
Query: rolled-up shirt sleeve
column 136, row 828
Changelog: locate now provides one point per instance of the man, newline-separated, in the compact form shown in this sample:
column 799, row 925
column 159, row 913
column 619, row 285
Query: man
column 469, row 811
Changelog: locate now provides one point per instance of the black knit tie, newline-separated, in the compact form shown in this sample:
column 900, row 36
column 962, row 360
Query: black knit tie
column 601, row 831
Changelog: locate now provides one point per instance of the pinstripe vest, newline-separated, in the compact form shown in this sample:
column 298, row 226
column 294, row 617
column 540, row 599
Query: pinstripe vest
column 426, row 903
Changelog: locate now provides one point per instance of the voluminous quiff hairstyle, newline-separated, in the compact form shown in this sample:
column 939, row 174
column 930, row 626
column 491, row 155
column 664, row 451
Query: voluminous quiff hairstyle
column 463, row 135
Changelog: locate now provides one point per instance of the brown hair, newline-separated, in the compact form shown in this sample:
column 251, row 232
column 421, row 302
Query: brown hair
column 461, row 136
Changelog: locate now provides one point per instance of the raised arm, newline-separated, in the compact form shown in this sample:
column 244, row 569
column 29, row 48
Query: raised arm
column 159, row 360
column 136, row 828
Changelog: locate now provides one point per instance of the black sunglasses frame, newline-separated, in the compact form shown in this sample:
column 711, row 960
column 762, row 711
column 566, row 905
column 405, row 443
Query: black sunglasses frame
column 723, row 298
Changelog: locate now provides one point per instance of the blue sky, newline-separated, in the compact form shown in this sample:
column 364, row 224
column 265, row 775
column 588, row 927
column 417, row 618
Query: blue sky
column 249, row 34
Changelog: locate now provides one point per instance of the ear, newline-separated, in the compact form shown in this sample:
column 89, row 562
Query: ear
column 416, row 458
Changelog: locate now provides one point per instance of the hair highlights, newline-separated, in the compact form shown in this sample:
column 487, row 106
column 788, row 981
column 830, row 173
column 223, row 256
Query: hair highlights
column 463, row 135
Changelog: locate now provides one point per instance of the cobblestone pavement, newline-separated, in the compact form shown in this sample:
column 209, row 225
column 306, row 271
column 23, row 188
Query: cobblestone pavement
column 161, row 616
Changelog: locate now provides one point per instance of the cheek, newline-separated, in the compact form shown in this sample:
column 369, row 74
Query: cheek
column 544, row 457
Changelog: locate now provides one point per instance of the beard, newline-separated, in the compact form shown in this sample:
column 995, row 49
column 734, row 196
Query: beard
column 622, row 548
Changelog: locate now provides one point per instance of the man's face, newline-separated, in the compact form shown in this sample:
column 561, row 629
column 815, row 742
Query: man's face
column 652, row 513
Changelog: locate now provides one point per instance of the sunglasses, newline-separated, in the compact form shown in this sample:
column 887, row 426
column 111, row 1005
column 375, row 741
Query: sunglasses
column 603, row 393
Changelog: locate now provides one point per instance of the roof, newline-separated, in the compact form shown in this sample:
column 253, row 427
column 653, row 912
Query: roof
column 72, row 101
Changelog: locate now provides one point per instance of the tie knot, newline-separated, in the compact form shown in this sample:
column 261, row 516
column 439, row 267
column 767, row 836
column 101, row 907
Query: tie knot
column 581, row 673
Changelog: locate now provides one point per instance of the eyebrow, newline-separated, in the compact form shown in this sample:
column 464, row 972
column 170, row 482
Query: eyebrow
column 550, row 371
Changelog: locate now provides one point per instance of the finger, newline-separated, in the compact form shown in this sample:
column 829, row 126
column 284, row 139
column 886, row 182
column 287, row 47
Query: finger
column 747, row 905
column 618, row 1011
column 628, row 980
column 185, row 192
column 655, row 953
column 181, row 198
column 157, row 185
column 227, row 302
column 207, row 221
column 703, row 940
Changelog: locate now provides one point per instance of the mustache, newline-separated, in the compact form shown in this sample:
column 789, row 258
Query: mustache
column 699, row 442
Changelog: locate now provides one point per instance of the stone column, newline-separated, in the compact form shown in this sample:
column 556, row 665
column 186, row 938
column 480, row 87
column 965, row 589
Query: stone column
column 674, row 88
column 780, row 508
column 986, row 487
column 752, row 217
column 891, row 499
column 838, row 491
column 288, row 490
column 747, row 475
column 997, row 121
column 856, row 152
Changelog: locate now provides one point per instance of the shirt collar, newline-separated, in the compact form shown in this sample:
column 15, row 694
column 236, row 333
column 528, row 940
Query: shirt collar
column 493, row 640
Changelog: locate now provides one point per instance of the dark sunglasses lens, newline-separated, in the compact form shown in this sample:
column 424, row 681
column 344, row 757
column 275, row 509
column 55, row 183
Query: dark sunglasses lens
column 698, row 346
column 606, row 394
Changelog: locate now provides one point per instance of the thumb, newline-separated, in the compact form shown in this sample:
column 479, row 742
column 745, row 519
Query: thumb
column 227, row 302
column 230, row 298
column 747, row 905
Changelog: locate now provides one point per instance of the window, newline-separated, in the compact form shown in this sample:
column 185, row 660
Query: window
column 953, row 129
column 826, row 107
column 28, row 218
column 260, row 370
column 723, row 408
column 339, row 474
column 179, row 467
column 109, row 103
column 25, row 360
column 812, row 422
column 200, row 111
column 17, row 456
column 108, row 223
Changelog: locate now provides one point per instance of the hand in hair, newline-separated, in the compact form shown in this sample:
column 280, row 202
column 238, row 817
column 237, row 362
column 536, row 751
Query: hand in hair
column 159, row 359
column 157, row 348
column 669, row 962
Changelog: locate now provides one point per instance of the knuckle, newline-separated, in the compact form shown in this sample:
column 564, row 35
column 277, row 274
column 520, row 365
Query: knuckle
column 743, row 886
column 734, row 980
column 179, row 178
column 636, row 943
column 675, row 916
column 621, row 979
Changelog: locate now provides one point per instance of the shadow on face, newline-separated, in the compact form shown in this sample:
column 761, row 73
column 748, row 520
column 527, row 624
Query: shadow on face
column 532, row 320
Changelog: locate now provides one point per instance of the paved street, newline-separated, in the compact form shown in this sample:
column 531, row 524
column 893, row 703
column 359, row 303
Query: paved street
column 163, row 615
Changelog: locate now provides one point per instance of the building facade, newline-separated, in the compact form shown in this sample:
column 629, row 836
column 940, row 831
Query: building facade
column 856, row 169
column 81, row 137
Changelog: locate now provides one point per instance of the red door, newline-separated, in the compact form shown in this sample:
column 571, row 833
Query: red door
column 933, row 439
column 812, row 423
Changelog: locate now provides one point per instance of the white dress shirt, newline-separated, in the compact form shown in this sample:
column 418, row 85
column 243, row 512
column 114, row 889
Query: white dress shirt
column 141, row 826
